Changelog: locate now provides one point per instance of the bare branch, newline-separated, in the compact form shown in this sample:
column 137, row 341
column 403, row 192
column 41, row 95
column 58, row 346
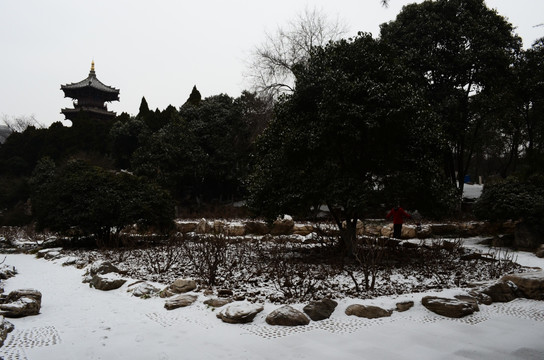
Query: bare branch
column 272, row 63
column 19, row 124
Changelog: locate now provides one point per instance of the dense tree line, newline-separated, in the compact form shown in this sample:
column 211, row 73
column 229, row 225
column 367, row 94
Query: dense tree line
column 446, row 90
column 199, row 153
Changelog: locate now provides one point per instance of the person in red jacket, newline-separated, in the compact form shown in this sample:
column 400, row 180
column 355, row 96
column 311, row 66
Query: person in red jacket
column 398, row 215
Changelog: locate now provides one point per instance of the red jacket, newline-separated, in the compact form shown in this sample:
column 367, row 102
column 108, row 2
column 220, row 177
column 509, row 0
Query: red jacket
column 398, row 214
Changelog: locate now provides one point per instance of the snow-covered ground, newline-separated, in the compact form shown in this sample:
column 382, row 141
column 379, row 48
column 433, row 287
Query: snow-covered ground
column 79, row 322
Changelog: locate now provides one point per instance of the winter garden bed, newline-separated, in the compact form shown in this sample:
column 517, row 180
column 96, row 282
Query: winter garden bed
column 284, row 270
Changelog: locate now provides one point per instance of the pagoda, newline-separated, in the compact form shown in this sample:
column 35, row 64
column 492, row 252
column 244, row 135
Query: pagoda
column 90, row 96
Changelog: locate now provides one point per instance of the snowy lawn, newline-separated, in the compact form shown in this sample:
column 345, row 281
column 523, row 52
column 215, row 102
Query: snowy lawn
column 79, row 322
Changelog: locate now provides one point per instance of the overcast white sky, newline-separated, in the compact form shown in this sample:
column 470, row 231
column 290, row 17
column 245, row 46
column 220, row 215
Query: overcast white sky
column 160, row 49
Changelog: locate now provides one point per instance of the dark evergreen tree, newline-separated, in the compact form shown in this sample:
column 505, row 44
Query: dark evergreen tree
column 462, row 51
column 93, row 201
column 354, row 133
column 144, row 108
column 194, row 98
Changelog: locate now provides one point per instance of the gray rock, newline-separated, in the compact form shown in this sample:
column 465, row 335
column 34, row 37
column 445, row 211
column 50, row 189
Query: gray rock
column 367, row 311
column 20, row 303
column 107, row 282
column 404, row 306
column 7, row 272
column 142, row 289
column 469, row 299
column 104, row 267
column 186, row 227
column 283, row 226
column 179, row 286
column 502, row 291
column 481, row 297
column 452, row 308
column 530, row 284
column 178, row 301
column 239, row 313
column 218, row 302
column 256, row 228
column 287, row 316
column 27, row 293
column 320, row 310
column 5, row 328
column 49, row 254
column 204, row 227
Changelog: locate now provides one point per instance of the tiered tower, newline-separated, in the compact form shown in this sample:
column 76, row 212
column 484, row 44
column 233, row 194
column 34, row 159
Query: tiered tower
column 90, row 96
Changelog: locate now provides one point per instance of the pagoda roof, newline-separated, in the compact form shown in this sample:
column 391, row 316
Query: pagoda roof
column 69, row 113
column 93, row 84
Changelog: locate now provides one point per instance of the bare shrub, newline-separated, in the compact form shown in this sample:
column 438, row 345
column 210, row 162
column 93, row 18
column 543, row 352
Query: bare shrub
column 300, row 273
column 207, row 254
column 161, row 257
column 368, row 254
column 504, row 263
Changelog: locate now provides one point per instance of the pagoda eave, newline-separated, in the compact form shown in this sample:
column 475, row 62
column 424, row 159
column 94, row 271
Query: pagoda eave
column 90, row 111
column 82, row 92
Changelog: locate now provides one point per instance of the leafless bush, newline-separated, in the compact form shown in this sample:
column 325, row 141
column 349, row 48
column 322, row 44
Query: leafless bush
column 368, row 253
column 207, row 255
column 11, row 235
column 502, row 262
column 160, row 258
column 295, row 270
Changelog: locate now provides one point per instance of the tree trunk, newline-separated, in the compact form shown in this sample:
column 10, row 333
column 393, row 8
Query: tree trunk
column 348, row 231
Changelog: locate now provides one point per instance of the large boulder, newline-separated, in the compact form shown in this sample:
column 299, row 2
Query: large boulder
column 183, row 285
column 320, row 310
column 5, row 328
column 106, row 282
column 239, row 313
column 104, row 267
column 480, row 297
column 387, row 231
column 283, row 226
column 142, row 289
column 7, row 272
column 530, row 284
column 256, row 228
column 204, row 227
column 179, row 286
column 501, row 291
column 287, row 316
column 186, row 227
column 408, row 232
column 452, row 308
column 218, row 226
column 49, row 254
column 235, row 229
column 20, row 303
column 182, row 300
column 303, row 229
column 404, row 305
column 218, row 302
column 367, row 311
column 372, row 229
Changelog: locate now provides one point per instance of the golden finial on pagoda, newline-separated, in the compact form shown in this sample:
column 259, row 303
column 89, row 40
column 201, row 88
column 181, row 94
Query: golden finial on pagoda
column 92, row 65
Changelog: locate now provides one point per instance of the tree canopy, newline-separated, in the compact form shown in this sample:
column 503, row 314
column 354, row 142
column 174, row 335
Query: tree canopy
column 354, row 133
column 87, row 200
column 463, row 52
